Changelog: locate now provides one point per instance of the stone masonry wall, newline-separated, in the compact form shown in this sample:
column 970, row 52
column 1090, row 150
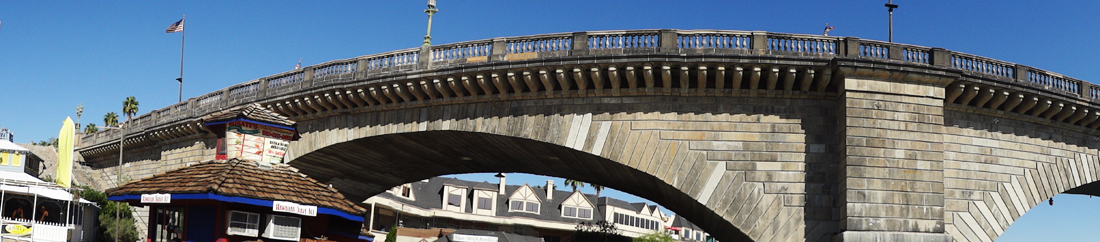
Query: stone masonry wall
column 894, row 157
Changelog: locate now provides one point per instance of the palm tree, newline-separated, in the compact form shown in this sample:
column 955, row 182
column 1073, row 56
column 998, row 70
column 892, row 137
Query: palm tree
column 110, row 120
column 598, row 189
column 90, row 129
column 79, row 111
column 574, row 184
column 130, row 107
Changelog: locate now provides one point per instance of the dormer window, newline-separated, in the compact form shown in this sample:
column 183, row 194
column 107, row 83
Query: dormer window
column 403, row 191
column 454, row 198
column 524, row 200
column 575, row 212
column 484, row 200
column 576, row 206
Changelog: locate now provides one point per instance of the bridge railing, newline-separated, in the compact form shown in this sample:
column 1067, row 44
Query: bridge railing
column 604, row 43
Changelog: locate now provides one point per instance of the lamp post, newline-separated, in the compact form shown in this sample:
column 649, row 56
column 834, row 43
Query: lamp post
column 118, row 174
column 430, row 11
column 890, row 7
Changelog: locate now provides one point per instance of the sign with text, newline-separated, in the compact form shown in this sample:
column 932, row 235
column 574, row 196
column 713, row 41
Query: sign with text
column 156, row 198
column 474, row 238
column 281, row 206
column 250, row 141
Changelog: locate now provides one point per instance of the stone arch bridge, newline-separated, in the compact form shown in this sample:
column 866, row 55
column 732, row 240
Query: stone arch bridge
column 754, row 136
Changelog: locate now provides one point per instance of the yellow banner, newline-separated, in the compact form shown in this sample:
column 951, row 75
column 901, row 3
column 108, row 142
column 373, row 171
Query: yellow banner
column 65, row 154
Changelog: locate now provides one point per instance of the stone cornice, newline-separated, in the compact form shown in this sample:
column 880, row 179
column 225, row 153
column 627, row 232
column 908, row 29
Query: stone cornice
column 644, row 62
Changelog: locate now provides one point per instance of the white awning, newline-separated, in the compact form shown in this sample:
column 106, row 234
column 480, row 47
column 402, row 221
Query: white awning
column 8, row 145
column 23, row 183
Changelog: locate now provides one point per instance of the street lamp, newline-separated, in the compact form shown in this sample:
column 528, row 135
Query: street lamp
column 430, row 11
column 118, row 175
column 890, row 7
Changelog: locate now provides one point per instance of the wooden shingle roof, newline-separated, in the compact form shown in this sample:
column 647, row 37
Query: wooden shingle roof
column 252, row 111
column 240, row 178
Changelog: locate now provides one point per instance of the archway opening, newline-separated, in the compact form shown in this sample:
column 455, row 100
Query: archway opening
column 1069, row 216
column 365, row 167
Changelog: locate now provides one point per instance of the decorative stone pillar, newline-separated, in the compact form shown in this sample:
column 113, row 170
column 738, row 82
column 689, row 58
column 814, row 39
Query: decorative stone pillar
column 892, row 187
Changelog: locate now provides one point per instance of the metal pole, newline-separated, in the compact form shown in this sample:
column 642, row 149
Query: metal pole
column 3, row 193
column 890, row 7
column 34, row 205
column 118, row 178
column 430, row 11
column 183, row 34
column 68, row 208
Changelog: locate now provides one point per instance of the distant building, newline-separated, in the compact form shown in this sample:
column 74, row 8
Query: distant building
column 439, row 204
column 684, row 230
column 36, row 210
column 6, row 134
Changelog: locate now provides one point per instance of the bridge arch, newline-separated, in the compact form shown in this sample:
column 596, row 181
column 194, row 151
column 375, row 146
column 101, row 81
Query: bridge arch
column 997, row 169
column 870, row 140
column 745, row 177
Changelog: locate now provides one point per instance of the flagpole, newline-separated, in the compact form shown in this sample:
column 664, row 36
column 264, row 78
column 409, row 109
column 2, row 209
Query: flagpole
column 183, row 34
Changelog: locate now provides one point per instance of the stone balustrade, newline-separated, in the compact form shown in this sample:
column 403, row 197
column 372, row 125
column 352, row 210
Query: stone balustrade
column 984, row 75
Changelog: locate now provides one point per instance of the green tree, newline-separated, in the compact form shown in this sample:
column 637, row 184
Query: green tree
column 599, row 231
column 130, row 107
column 110, row 119
column 574, row 183
column 126, row 231
column 90, row 128
column 655, row 236
column 392, row 235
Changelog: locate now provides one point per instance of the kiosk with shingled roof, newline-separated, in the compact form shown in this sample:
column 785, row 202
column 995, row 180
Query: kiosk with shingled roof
column 246, row 193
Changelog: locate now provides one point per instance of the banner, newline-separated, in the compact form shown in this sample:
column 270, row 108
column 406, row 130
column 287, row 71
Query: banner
column 65, row 154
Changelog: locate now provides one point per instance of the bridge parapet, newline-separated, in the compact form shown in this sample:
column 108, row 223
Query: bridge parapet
column 988, row 75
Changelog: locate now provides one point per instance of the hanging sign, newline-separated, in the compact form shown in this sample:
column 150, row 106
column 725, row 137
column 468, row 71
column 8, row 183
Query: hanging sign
column 250, row 141
column 156, row 198
column 281, row 206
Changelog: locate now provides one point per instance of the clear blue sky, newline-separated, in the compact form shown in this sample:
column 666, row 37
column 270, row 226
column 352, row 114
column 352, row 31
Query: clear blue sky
column 55, row 55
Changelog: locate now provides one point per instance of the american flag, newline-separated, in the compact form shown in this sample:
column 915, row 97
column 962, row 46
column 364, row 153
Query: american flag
column 299, row 65
column 176, row 27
